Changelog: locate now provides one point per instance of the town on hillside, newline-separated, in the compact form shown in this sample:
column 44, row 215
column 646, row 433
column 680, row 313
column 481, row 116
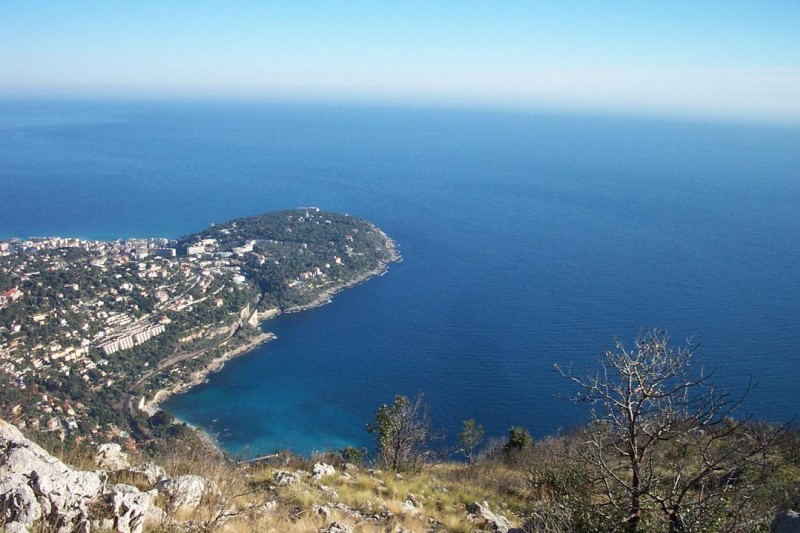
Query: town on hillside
column 86, row 324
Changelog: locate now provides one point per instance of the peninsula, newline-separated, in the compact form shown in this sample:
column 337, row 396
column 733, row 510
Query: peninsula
column 93, row 334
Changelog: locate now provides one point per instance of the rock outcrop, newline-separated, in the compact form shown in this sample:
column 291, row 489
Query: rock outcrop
column 149, row 472
column 111, row 457
column 187, row 490
column 287, row 478
column 336, row 527
column 496, row 522
column 36, row 487
column 130, row 508
column 320, row 470
column 14, row 527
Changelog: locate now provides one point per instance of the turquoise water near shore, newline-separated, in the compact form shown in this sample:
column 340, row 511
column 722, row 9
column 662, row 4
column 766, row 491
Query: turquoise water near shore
column 527, row 240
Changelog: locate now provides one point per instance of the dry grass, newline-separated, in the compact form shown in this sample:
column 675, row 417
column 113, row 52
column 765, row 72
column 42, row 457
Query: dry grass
column 370, row 502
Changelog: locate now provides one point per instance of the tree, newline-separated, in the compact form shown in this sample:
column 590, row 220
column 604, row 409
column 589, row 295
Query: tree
column 402, row 434
column 351, row 454
column 518, row 439
column 664, row 444
column 470, row 437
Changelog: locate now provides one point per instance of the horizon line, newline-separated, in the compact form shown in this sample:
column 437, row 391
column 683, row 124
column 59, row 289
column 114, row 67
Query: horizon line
column 470, row 104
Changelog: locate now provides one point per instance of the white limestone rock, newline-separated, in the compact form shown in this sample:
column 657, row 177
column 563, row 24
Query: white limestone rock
column 152, row 473
column 18, row 502
column 283, row 478
column 320, row 470
column 110, row 457
column 15, row 527
column 63, row 495
column 35, row 486
column 187, row 490
column 322, row 510
column 336, row 527
column 131, row 508
column 496, row 522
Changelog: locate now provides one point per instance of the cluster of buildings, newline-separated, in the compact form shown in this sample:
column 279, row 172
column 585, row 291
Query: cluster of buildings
column 70, row 309
column 75, row 306
column 11, row 295
column 131, row 337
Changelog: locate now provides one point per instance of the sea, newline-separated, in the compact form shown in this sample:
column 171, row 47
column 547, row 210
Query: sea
column 528, row 240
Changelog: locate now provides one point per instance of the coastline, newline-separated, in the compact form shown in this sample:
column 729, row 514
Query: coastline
column 326, row 295
column 201, row 375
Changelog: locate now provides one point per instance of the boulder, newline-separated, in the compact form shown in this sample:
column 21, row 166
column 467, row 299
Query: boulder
column 267, row 508
column 152, row 473
column 786, row 522
column 65, row 496
column 186, row 490
column 18, row 502
column 14, row 527
column 131, row 508
column 336, row 527
column 414, row 500
column 321, row 470
column 322, row 510
column 328, row 492
column 496, row 522
column 111, row 457
column 35, row 486
column 287, row 478
column 409, row 507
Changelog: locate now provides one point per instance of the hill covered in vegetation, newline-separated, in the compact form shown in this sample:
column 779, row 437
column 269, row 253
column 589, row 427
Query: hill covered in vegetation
column 92, row 332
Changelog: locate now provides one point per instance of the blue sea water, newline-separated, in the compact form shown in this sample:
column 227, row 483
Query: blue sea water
column 528, row 239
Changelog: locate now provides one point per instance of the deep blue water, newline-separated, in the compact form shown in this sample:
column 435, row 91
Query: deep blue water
column 527, row 240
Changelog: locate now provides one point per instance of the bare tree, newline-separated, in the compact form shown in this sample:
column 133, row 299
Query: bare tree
column 664, row 444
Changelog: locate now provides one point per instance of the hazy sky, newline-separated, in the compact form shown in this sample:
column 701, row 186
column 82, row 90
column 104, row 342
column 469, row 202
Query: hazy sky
column 726, row 59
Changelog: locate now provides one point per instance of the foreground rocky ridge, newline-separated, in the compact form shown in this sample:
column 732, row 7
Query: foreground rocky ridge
column 38, row 492
column 35, row 487
column 194, row 491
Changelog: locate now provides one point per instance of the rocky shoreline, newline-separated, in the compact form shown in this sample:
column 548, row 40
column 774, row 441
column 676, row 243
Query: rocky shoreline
column 325, row 296
column 201, row 375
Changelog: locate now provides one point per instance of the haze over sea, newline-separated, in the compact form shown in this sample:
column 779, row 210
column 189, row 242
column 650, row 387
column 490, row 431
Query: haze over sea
column 527, row 240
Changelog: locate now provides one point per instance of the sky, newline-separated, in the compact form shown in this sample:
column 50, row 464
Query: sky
column 721, row 59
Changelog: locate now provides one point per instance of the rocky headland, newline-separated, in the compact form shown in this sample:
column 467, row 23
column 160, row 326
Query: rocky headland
column 93, row 335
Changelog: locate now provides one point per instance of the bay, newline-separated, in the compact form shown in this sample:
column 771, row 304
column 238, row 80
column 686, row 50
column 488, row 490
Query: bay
column 528, row 239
